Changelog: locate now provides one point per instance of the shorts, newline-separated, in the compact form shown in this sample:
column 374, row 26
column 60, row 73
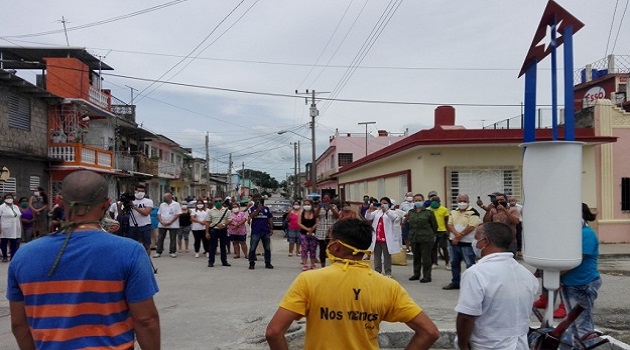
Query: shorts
column 183, row 233
column 293, row 236
column 141, row 234
column 238, row 238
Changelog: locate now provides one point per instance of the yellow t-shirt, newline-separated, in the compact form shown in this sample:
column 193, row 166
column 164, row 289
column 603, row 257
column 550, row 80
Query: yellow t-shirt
column 344, row 309
column 441, row 215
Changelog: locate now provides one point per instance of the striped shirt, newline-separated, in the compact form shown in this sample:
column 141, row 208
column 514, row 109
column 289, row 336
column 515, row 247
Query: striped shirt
column 84, row 304
column 215, row 215
column 324, row 223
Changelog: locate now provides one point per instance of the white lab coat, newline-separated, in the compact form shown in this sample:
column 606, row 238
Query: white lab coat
column 10, row 221
column 393, row 244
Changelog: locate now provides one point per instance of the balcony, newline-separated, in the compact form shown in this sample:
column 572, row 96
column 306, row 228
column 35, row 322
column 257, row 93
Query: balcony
column 127, row 112
column 81, row 155
column 147, row 165
column 125, row 162
column 169, row 170
column 98, row 98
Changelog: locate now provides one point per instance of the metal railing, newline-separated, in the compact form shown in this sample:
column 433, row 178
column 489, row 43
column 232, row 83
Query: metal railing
column 543, row 120
column 97, row 97
column 125, row 162
column 127, row 112
column 611, row 64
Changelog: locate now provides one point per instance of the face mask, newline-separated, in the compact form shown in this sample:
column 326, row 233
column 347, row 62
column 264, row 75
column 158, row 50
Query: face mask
column 504, row 204
column 200, row 206
column 36, row 194
column 139, row 195
column 9, row 200
column 418, row 204
column 296, row 207
column 164, row 200
column 385, row 206
column 218, row 205
column 462, row 205
column 475, row 249
column 409, row 199
column 355, row 251
column 307, row 207
column 235, row 210
column 24, row 205
column 366, row 201
column 435, row 204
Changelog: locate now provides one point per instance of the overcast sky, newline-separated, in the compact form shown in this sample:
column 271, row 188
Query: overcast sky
column 423, row 52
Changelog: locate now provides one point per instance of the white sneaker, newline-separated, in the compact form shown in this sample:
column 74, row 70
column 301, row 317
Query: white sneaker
column 434, row 266
column 448, row 267
column 173, row 255
column 196, row 255
column 157, row 255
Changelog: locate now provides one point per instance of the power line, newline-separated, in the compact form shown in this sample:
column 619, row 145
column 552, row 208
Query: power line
column 612, row 23
column 619, row 29
column 93, row 24
column 141, row 94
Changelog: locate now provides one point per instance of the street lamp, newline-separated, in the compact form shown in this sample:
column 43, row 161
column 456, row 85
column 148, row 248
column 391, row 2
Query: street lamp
column 312, row 139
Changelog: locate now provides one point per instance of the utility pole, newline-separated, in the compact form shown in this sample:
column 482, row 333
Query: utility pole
column 313, row 112
column 299, row 168
column 366, row 134
column 229, row 177
column 207, row 172
column 243, row 174
column 295, row 172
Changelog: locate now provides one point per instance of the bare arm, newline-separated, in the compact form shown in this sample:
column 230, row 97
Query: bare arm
column 19, row 326
column 146, row 324
column 488, row 216
column 143, row 211
column 278, row 326
column 465, row 324
column 426, row 333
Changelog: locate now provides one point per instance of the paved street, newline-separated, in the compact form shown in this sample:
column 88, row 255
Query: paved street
column 229, row 307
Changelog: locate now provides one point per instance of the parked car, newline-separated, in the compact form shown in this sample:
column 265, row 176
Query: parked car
column 282, row 201
column 279, row 210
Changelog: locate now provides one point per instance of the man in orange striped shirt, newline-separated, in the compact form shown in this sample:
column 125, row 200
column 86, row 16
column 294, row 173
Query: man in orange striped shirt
column 82, row 287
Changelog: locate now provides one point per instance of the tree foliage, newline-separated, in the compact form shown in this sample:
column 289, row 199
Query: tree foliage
column 261, row 178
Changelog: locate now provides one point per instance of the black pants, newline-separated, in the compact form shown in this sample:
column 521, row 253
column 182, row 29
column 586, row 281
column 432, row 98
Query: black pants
column 219, row 236
column 323, row 243
column 200, row 237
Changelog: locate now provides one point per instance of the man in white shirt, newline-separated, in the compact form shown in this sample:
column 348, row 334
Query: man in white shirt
column 495, row 301
column 406, row 206
column 140, row 218
column 168, row 216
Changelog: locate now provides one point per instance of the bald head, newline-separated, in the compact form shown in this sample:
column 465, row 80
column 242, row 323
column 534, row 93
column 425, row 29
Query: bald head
column 84, row 187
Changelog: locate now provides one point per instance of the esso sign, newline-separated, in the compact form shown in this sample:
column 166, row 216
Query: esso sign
column 593, row 94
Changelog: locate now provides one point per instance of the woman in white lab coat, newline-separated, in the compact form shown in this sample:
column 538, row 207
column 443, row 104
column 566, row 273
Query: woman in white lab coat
column 384, row 240
column 10, row 226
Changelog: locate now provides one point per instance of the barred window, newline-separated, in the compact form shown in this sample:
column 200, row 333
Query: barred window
column 344, row 158
column 33, row 183
column 19, row 112
column 9, row 186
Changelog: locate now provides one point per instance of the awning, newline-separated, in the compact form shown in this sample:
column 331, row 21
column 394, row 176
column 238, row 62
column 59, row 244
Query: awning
column 96, row 170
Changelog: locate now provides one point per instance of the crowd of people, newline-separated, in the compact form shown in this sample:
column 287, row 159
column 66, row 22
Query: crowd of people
column 497, row 292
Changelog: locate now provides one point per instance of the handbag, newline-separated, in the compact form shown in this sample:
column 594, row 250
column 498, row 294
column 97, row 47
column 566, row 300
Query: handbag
column 400, row 258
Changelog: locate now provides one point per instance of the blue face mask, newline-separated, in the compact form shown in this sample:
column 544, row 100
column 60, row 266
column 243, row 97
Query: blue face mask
column 418, row 204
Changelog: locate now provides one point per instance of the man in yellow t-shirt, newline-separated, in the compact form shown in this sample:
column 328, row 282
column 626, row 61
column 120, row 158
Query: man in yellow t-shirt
column 345, row 302
column 441, row 235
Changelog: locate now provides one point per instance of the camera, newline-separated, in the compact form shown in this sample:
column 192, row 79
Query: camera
column 126, row 199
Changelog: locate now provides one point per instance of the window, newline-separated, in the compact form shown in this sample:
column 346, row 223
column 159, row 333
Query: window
column 173, row 158
column 332, row 161
column 380, row 187
column 481, row 181
column 625, row 194
column 344, row 158
column 33, row 183
column 19, row 112
column 9, row 186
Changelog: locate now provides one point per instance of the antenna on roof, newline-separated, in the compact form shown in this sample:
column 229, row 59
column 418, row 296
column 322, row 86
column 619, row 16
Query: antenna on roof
column 65, row 30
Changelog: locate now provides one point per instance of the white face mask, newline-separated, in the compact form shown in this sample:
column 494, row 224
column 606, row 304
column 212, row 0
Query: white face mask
column 200, row 206
column 462, row 205
column 139, row 195
column 36, row 194
column 307, row 207
column 235, row 210
column 9, row 200
column 296, row 207
column 476, row 250
column 409, row 199
column 385, row 206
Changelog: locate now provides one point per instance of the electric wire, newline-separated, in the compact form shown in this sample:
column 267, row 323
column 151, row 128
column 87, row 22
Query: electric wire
column 612, row 23
column 619, row 29
column 97, row 23
column 141, row 94
column 207, row 46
